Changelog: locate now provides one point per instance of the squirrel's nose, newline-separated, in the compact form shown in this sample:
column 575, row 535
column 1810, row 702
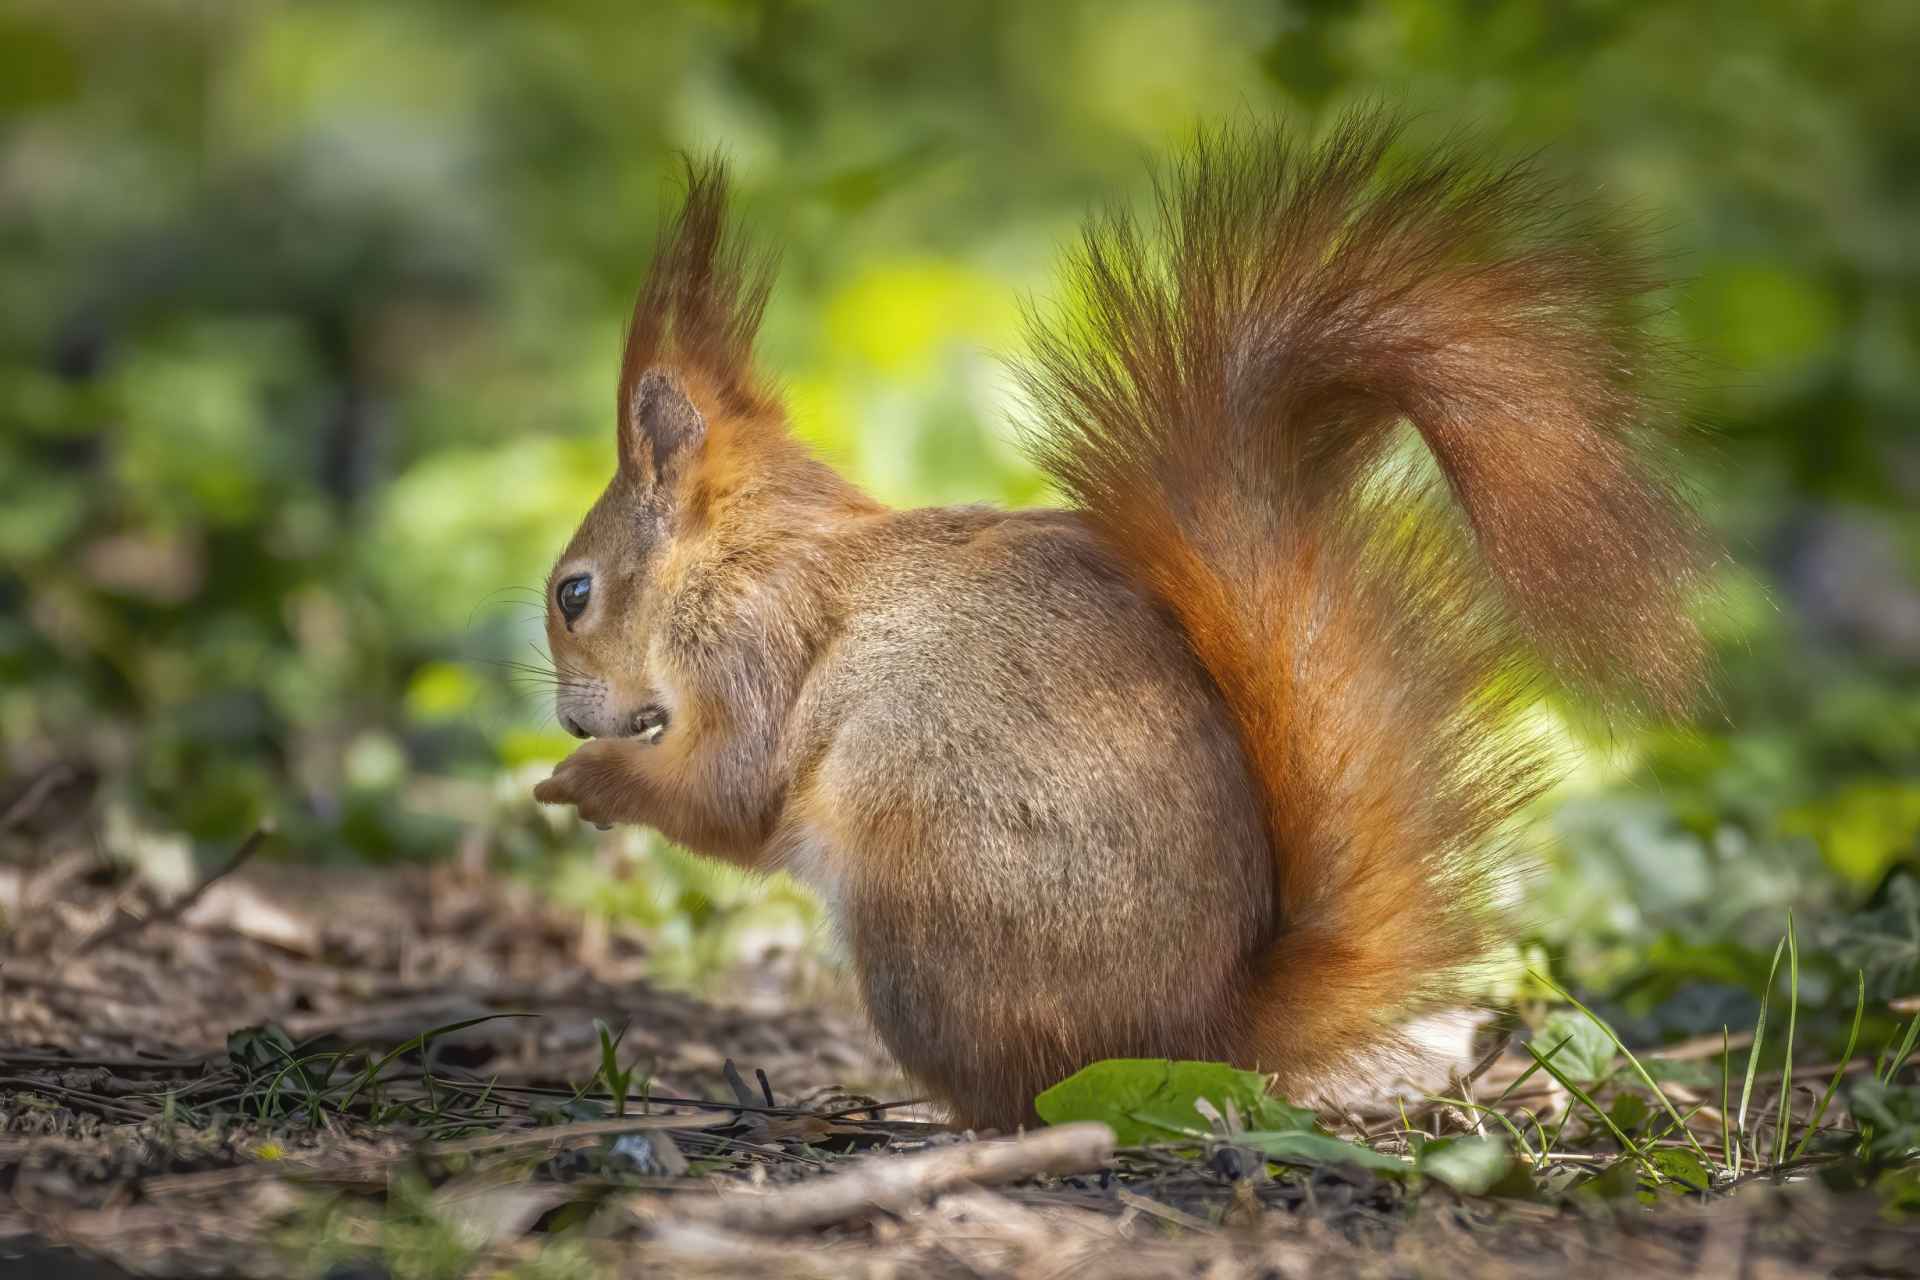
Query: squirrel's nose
column 572, row 726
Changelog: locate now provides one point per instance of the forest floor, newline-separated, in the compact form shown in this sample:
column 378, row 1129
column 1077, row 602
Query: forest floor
column 430, row 1073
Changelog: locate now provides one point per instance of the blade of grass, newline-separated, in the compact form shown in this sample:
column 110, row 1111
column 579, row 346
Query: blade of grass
column 1581, row 1095
column 1784, row 1125
column 420, row 1043
column 1527, row 1075
column 1899, row 1059
column 1727, row 1153
column 1655, row 1138
column 296, row 1066
column 1753, row 1056
column 1552, row 1140
column 1632, row 1061
column 1833, row 1085
column 1546, row 1143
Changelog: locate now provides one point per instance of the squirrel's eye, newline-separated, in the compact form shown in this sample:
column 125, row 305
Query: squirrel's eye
column 573, row 594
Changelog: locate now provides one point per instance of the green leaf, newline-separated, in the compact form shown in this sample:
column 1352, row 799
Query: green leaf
column 1885, row 939
column 1474, row 1165
column 1152, row 1099
column 1617, row 1181
column 1318, row 1148
column 1888, row 1116
column 1682, row 1167
column 1273, row 1114
column 1630, row 1111
column 1587, row 1057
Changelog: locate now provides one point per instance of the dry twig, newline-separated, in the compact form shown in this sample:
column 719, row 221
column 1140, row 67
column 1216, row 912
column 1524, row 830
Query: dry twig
column 892, row 1185
column 125, row 927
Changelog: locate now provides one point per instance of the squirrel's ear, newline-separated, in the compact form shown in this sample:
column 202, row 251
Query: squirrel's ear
column 658, row 426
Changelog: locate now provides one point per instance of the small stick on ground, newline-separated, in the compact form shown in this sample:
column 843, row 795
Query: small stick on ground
column 126, row 927
column 892, row 1185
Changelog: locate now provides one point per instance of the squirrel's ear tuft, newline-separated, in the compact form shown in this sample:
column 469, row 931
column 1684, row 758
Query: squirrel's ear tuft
column 659, row 426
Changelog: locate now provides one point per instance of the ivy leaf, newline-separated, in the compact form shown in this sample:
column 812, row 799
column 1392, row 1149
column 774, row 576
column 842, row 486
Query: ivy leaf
column 1153, row 1099
column 1586, row 1057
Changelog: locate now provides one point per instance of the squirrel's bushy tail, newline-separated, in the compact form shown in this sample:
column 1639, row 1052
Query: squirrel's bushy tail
column 1219, row 393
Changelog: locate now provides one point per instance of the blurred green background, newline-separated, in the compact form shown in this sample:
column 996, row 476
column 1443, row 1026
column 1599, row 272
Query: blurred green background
column 309, row 316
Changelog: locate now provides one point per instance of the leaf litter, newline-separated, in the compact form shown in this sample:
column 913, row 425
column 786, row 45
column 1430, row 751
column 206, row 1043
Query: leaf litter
column 431, row 1072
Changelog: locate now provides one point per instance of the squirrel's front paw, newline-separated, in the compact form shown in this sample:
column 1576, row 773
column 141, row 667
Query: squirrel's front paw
column 596, row 781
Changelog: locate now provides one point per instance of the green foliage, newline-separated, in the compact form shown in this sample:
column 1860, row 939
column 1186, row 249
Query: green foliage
column 282, row 1079
column 1614, row 1096
column 410, row 1238
column 1839, row 1072
column 1583, row 1050
column 1153, row 1100
column 1646, row 1179
column 309, row 318
column 1680, row 1169
column 1623, row 1107
column 618, row 1080
column 1888, row 1117
column 1884, row 940
column 704, row 916
column 1474, row 1165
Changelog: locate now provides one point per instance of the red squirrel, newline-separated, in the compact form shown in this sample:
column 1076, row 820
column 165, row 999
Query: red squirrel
column 1218, row 761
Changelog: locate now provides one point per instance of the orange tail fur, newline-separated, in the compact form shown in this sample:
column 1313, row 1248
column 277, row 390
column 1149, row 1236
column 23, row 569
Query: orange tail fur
column 1221, row 400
